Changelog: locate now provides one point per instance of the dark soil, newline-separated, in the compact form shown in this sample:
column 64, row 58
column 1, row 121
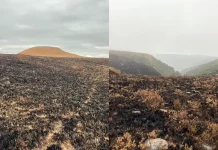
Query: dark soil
column 185, row 114
column 51, row 103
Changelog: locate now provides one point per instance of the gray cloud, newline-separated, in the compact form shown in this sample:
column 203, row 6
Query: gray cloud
column 164, row 26
column 71, row 25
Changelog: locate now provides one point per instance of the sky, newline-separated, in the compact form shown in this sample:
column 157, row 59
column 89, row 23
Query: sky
column 77, row 26
column 164, row 26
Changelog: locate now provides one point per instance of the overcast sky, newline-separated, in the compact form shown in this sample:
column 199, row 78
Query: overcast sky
column 78, row 26
column 164, row 26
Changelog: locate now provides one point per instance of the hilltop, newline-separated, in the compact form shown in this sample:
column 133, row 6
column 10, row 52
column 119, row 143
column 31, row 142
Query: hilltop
column 147, row 60
column 48, row 52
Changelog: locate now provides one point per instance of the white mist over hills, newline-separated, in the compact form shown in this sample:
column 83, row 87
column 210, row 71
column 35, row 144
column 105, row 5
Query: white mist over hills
column 180, row 61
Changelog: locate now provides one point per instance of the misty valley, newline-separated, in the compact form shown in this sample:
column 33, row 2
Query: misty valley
column 154, row 106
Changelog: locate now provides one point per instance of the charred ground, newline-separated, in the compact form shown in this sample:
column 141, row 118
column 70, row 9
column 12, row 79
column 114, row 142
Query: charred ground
column 181, row 110
column 53, row 102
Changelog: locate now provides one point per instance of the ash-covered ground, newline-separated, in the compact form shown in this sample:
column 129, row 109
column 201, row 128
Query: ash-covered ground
column 181, row 110
column 53, row 103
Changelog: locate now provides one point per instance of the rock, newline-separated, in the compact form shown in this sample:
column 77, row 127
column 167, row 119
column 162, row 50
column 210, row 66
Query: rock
column 156, row 144
column 136, row 112
column 163, row 110
column 120, row 105
column 115, row 113
column 207, row 147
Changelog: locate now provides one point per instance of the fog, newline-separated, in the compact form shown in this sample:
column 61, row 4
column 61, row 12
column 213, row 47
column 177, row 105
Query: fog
column 164, row 26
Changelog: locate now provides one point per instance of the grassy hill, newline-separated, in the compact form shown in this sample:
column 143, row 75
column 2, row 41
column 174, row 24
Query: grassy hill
column 48, row 52
column 210, row 68
column 184, row 71
column 145, row 59
column 129, row 66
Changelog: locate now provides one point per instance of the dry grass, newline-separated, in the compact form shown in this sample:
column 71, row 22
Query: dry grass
column 114, row 71
column 44, row 103
column 124, row 142
column 183, row 110
column 151, row 98
column 48, row 52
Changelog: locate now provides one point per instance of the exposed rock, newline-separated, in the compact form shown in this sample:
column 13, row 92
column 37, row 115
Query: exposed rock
column 188, row 92
column 120, row 105
column 207, row 147
column 163, row 110
column 156, row 144
column 136, row 112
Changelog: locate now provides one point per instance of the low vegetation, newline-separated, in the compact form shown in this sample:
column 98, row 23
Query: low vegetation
column 150, row 63
column 129, row 66
column 53, row 103
column 210, row 68
column 181, row 110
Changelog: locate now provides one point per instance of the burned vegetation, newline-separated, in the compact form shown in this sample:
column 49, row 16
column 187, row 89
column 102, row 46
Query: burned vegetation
column 180, row 110
column 53, row 103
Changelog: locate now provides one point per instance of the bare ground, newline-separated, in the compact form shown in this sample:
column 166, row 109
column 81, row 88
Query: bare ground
column 53, row 103
column 181, row 110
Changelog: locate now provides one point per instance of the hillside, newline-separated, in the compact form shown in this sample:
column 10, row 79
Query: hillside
column 180, row 110
column 180, row 62
column 210, row 68
column 147, row 60
column 48, row 52
column 53, row 103
column 129, row 66
column 184, row 71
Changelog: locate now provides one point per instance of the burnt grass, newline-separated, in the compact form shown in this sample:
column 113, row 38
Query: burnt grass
column 53, row 103
column 186, row 118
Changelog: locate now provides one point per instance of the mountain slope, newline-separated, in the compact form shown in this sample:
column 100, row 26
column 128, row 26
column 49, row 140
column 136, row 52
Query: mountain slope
column 146, row 59
column 210, row 68
column 129, row 66
column 181, row 62
column 184, row 71
column 48, row 51
column 46, row 101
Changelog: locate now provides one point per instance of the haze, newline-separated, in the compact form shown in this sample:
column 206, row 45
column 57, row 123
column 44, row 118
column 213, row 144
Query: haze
column 164, row 26
column 78, row 26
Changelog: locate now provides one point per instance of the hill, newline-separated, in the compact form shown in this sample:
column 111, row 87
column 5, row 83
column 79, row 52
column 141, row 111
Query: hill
column 53, row 102
column 147, row 60
column 210, row 68
column 129, row 66
column 48, row 52
column 183, row 72
column 180, row 62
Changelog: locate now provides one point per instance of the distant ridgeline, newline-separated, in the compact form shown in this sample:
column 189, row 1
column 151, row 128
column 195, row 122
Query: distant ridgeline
column 210, row 68
column 139, row 63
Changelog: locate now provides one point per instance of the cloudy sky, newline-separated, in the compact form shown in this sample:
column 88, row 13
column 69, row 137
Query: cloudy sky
column 77, row 26
column 164, row 26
